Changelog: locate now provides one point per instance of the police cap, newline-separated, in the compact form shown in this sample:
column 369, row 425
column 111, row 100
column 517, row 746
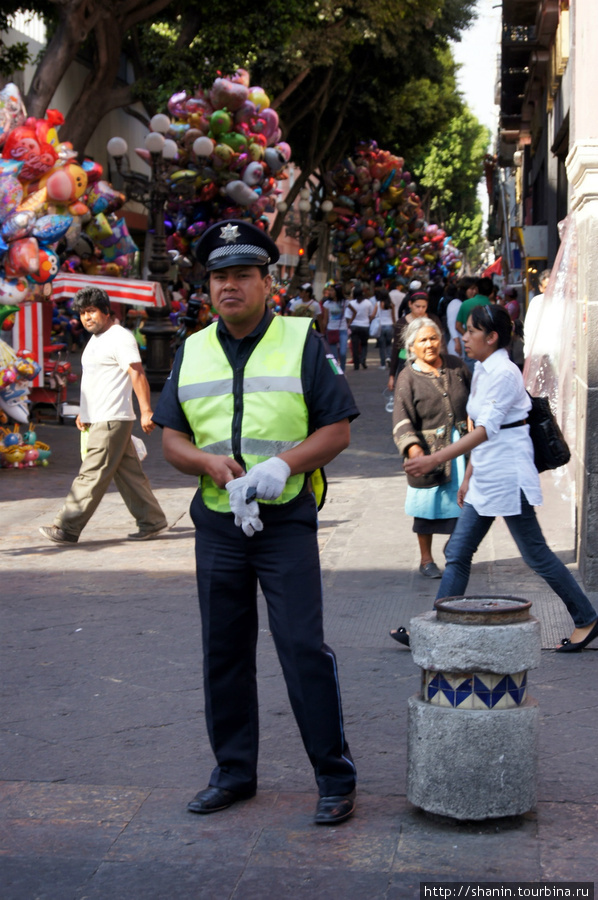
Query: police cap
column 233, row 242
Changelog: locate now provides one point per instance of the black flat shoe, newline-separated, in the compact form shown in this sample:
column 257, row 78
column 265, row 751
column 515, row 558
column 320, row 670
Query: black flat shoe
column 568, row 647
column 213, row 799
column 333, row 810
column 401, row 635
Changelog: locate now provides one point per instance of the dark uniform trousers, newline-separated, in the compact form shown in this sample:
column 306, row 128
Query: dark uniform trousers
column 284, row 559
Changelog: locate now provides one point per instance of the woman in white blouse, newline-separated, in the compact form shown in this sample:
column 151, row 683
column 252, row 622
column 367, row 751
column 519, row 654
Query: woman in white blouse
column 501, row 478
column 360, row 313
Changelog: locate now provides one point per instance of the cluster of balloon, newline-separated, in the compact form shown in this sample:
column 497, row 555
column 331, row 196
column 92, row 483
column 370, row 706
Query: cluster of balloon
column 377, row 220
column 53, row 212
column 230, row 157
column 17, row 371
column 22, row 451
column 451, row 258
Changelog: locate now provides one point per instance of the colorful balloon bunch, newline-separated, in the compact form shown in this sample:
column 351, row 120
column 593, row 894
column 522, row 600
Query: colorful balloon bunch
column 53, row 212
column 230, row 156
column 22, row 451
column 377, row 220
column 17, row 371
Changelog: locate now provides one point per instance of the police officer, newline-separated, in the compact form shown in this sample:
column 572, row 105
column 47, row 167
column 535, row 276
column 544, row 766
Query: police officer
column 255, row 406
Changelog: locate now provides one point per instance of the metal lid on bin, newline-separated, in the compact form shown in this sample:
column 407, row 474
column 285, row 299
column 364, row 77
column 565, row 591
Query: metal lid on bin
column 483, row 610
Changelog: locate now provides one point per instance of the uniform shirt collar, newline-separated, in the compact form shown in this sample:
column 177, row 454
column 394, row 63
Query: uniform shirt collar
column 258, row 331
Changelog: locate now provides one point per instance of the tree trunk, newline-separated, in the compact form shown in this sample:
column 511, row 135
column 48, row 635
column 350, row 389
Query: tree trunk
column 76, row 21
column 98, row 94
column 109, row 20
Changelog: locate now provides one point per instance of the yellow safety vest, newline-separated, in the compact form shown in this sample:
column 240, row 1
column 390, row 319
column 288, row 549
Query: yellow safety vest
column 251, row 414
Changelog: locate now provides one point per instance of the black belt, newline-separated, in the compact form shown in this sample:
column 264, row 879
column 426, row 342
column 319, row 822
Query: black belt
column 515, row 424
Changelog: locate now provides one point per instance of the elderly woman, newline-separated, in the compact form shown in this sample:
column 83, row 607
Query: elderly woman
column 429, row 413
column 418, row 306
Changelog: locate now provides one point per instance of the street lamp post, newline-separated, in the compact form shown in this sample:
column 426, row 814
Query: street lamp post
column 153, row 194
column 304, row 204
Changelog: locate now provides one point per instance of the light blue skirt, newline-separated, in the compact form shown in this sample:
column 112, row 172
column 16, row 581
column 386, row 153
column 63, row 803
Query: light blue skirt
column 438, row 502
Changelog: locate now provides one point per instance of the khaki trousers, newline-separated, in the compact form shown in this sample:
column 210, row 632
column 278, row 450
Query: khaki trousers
column 110, row 455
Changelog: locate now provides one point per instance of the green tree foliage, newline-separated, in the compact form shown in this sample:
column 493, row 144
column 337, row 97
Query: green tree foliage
column 192, row 42
column 337, row 73
column 13, row 57
column 449, row 170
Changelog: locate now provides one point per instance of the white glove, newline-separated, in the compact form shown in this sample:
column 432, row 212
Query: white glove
column 247, row 515
column 269, row 478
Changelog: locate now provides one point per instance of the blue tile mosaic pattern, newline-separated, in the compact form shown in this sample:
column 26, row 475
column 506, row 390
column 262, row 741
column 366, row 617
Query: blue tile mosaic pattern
column 476, row 690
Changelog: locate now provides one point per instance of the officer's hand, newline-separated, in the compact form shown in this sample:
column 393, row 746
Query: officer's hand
column 222, row 468
column 269, row 478
column 247, row 515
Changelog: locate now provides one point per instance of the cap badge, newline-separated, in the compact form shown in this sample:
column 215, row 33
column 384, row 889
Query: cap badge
column 230, row 233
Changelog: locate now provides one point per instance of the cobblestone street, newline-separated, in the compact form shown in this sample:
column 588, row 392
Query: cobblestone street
column 102, row 727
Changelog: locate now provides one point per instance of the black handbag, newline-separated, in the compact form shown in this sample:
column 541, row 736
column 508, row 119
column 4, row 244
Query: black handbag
column 550, row 447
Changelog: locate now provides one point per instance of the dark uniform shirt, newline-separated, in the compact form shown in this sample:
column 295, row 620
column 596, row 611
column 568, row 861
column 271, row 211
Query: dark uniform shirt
column 327, row 394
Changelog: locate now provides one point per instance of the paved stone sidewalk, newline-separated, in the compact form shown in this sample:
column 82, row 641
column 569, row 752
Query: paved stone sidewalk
column 103, row 736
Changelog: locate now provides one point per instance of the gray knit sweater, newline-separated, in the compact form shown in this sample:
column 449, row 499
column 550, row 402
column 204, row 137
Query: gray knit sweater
column 426, row 409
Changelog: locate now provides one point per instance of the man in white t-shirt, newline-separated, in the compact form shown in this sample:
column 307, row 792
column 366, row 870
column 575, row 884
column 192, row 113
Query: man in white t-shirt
column 306, row 306
column 396, row 297
column 112, row 370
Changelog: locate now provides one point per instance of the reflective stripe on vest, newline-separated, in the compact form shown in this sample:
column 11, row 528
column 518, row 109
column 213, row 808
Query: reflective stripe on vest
column 274, row 415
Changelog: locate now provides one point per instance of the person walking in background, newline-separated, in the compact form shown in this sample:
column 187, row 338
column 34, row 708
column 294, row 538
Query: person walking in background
column 360, row 313
column 112, row 370
column 414, row 286
column 418, row 306
column 306, row 307
column 510, row 302
column 534, row 312
column 254, row 408
column 386, row 313
column 484, row 288
column 396, row 295
column 453, row 304
column 498, row 406
column 430, row 412
column 334, row 323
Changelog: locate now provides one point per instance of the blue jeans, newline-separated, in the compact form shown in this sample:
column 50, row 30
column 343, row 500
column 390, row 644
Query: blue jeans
column 472, row 529
column 340, row 349
column 385, row 343
column 343, row 340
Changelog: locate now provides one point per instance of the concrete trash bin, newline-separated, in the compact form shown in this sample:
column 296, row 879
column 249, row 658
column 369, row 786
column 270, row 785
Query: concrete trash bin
column 473, row 729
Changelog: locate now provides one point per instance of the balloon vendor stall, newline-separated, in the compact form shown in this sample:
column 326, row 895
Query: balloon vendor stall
column 58, row 220
column 377, row 221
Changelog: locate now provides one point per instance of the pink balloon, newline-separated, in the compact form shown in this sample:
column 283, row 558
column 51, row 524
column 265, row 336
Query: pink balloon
column 270, row 119
column 284, row 149
column 246, row 114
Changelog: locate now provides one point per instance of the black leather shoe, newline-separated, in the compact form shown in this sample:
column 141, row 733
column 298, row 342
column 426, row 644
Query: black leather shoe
column 333, row 810
column 213, row 799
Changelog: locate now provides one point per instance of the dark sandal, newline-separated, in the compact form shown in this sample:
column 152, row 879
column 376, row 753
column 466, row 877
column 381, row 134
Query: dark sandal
column 401, row 635
column 568, row 647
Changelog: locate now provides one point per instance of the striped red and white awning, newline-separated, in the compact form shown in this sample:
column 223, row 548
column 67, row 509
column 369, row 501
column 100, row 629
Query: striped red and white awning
column 120, row 290
column 28, row 334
